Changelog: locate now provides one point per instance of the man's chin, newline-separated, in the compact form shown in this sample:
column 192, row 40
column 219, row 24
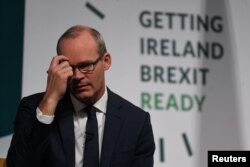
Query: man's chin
column 83, row 96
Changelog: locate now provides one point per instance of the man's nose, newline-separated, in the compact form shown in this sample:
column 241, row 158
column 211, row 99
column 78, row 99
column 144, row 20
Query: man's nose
column 77, row 74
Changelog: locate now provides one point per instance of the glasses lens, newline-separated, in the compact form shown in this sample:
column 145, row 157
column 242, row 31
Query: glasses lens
column 86, row 68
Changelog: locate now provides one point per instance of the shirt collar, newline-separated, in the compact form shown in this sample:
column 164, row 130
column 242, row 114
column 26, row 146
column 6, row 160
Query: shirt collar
column 101, row 104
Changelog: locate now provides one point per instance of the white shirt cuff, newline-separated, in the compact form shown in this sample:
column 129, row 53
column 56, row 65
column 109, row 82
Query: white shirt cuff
column 46, row 119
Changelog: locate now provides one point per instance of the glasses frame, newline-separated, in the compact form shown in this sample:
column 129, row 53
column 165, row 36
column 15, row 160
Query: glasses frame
column 90, row 65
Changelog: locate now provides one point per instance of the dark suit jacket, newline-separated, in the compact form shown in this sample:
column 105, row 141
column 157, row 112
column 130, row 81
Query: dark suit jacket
column 127, row 142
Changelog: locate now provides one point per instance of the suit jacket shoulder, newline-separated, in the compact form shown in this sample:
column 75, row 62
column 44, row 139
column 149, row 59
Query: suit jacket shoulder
column 119, row 101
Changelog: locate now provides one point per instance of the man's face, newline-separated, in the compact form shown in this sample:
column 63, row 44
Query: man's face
column 82, row 50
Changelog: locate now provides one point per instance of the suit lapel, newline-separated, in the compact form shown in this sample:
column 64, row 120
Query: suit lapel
column 113, row 122
column 64, row 116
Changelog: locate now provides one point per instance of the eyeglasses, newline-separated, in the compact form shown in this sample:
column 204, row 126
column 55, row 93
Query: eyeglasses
column 87, row 68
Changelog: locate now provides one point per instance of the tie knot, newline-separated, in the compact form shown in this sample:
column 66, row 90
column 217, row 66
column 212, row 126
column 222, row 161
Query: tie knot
column 91, row 111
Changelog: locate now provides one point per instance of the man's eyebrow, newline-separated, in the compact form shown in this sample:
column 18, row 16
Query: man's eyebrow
column 84, row 63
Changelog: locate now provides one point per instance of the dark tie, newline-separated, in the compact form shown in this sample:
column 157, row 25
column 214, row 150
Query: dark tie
column 91, row 150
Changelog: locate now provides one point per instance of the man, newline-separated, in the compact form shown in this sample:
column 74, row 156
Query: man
column 52, row 129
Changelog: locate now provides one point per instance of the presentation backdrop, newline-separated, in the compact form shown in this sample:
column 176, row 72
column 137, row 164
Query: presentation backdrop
column 186, row 62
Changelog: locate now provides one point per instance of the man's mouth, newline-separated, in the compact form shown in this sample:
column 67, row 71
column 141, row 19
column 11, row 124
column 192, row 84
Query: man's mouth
column 82, row 86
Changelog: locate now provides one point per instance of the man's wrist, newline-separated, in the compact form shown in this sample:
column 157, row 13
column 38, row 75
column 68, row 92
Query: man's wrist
column 48, row 105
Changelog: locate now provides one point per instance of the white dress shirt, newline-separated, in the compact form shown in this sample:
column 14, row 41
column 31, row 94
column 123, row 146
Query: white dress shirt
column 80, row 120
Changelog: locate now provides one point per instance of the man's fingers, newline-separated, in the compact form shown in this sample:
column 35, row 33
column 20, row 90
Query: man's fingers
column 66, row 69
column 64, row 64
column 58, row 60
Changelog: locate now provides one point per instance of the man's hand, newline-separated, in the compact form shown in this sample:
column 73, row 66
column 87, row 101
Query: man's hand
column 58, row 74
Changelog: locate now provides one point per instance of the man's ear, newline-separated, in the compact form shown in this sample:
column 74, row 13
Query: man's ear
column 107, row 61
